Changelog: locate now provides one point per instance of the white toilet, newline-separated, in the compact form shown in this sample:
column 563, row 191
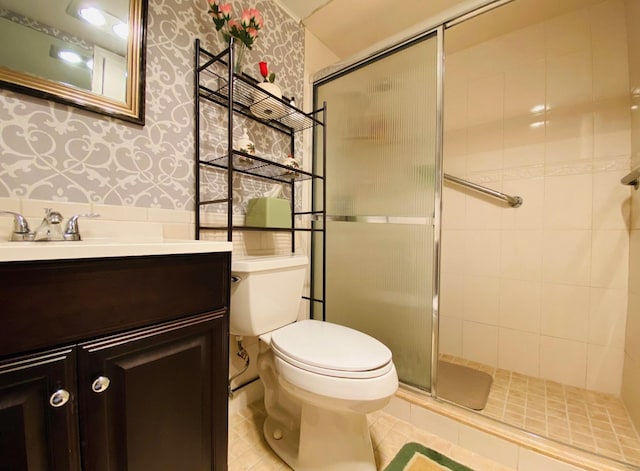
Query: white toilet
column 320, row 379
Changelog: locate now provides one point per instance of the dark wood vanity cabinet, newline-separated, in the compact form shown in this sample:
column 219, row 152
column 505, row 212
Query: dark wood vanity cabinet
column 156, row 411
column 140, row 398
column 35, row 435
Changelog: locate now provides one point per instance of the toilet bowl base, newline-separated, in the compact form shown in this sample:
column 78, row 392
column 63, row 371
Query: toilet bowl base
column 328, row 440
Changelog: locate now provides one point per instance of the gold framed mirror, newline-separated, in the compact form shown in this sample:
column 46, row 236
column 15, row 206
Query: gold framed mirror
column 86, row 53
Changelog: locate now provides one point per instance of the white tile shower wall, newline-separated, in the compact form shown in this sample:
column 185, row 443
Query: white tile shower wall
column 540, row 289
column 631, row 378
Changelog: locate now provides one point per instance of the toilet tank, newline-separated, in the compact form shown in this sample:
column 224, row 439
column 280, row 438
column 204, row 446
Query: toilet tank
column 265, row 293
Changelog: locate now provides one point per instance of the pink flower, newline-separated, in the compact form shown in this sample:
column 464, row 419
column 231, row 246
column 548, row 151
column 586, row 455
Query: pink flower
column 252, row 17
column 225, row 10
column 257, row 18
column 244, row 29
column 246, row 17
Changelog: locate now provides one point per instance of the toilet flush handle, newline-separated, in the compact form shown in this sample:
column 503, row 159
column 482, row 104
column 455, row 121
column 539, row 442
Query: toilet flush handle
column 235, row 279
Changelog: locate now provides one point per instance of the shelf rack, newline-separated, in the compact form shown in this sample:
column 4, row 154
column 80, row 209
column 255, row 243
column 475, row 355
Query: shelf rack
column 213, row 75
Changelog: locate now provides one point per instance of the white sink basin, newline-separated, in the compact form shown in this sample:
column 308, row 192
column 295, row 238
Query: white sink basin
column 23, row 251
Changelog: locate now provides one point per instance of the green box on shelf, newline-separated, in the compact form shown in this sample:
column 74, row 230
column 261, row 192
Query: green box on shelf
column 269, row 212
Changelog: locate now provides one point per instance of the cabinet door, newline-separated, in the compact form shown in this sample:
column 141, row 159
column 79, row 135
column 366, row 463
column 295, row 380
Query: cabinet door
column 147, row 398
column 38, row 420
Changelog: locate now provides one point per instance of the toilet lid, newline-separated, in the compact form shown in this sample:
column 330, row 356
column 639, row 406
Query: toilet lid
column 331, row 349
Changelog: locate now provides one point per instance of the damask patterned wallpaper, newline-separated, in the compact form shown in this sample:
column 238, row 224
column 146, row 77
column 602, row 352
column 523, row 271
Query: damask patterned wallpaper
column 55, row 152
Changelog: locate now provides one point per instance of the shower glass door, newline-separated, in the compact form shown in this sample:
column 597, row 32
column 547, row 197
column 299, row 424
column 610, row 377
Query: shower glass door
column 381, row 174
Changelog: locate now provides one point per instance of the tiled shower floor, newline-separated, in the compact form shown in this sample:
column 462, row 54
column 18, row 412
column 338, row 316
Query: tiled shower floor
column 589, row 420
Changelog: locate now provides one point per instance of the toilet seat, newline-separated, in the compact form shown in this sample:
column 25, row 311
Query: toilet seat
column 335, row 387
column 331, row 350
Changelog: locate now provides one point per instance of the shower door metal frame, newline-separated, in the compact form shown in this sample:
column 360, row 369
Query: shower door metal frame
column 438, row 33
column 437, row 211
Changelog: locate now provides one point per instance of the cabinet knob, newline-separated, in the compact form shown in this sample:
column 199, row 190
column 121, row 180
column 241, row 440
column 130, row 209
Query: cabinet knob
column 100, row 384
column 59, row 398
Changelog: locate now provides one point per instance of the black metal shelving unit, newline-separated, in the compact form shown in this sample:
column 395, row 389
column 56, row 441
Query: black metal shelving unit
column 213, row 76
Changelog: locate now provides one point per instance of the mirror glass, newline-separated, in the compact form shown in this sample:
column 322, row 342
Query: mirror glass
column 88, row 53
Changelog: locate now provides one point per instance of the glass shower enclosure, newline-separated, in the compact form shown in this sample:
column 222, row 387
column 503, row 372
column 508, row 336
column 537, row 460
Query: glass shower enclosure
column 382, row 201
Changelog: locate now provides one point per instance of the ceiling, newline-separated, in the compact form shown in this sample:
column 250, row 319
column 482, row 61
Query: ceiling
column 348, row 27
column 301, row 9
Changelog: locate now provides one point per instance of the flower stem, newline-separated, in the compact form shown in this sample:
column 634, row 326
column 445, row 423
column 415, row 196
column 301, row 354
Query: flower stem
column 240, row 51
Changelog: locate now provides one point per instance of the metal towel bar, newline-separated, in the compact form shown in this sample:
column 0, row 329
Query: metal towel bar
column 514, row 201
column 410, row 220
column 632, row 178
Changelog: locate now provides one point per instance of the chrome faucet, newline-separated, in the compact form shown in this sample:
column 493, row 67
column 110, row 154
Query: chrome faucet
column 21, row 229
column 50, row 229
column 72, row 231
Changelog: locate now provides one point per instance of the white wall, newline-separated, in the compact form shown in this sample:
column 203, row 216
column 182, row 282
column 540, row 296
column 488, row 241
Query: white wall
column 540, row 289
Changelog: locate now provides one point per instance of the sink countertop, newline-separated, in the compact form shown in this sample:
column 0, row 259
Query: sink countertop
column 100, row 248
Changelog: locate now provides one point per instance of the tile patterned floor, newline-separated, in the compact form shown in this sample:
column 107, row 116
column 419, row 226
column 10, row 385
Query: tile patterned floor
column 249, row 451
column 589, row 420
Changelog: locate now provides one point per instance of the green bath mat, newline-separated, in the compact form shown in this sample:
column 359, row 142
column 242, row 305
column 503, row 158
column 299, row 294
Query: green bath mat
column 415, row 457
